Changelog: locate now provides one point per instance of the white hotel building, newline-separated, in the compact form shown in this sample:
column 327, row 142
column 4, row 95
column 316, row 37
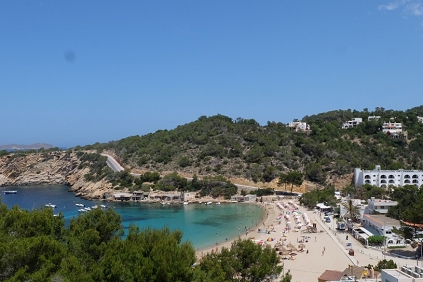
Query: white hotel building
column 384, row 178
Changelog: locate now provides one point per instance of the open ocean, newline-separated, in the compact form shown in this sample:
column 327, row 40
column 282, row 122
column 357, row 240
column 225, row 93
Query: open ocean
column 203, row 225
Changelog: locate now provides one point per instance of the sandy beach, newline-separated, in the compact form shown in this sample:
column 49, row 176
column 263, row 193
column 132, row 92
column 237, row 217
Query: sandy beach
column 320, row 251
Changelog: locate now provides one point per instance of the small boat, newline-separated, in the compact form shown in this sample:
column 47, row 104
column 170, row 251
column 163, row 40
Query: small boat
column 80, row 205
column 87, row 208
column 82, row 210
column 209, row 203
column 10, row 192
column 94, row 207
column 56, row 215
column 50, row 205
column 185, row 203
column 103, row 206
column 218, row 203
column 200, row 202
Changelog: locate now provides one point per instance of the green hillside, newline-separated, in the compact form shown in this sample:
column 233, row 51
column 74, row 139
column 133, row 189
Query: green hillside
column 218, row 145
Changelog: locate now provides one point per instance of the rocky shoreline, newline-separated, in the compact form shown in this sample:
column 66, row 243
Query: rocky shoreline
column 52, row 168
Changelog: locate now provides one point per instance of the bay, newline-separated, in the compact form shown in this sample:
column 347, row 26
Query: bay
column 203, row 225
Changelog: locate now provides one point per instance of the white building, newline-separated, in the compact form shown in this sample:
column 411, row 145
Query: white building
column 383, row 225
column 352, row 123
column 392, row 127
column 299, row 126
column 384, row 178
column 420, row 119
column 404, row 274
column 373, row 118
column 379, row 206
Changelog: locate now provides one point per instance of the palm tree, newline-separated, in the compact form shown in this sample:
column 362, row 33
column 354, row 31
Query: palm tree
column 353, row 212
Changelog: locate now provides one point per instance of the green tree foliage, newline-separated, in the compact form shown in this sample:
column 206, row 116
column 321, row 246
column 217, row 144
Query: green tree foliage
column 376, row 240
column 410, row 204
column 244, row 261
column 171, row 182
column 385, row 264
column 261, row 153
column 326, row 195
column 36, row 246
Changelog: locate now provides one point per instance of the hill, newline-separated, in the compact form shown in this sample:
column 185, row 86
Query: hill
column 244, row 149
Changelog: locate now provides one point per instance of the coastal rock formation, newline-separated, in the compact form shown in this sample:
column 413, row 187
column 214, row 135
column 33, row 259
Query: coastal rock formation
column 58, row 167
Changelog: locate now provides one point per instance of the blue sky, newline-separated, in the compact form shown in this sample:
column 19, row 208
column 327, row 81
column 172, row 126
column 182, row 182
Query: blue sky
column 79, row 72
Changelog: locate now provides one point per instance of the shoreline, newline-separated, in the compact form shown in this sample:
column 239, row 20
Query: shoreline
column 265, row 221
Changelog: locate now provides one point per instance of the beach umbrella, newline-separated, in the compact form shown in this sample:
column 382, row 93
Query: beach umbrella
column 277, row 245
column 301, row 246
column 284, row 253
column 289, row 245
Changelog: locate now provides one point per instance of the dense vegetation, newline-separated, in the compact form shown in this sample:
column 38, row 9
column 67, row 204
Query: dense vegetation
column 36, row 246
column 243, row 148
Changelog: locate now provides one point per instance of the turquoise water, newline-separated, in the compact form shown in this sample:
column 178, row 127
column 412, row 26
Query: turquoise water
column 203, row 225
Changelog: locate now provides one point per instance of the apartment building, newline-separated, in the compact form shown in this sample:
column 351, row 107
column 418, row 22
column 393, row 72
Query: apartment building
column 384, row 178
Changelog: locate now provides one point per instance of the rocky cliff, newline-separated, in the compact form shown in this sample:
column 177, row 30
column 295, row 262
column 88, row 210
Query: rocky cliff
column 58, row 167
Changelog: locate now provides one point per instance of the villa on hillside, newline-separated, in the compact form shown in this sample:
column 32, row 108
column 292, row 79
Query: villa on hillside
column 373, row 118
column 299, row 126
column 384, row 178
column 420, row 119
column 352, row 123
column 394, row 129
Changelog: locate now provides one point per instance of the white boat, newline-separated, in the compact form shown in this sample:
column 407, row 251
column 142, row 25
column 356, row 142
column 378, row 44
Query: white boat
column 50, row 205
column 87, row 208
column 80, row 205
column 209, row 203
column 94, row 207
column 185, row 203
column 82, row 210
column 10, row 192
column 103, row 206
column 218, row 203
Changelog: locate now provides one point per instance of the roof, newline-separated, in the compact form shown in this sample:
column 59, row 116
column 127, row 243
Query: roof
column 356, row 271
column 418, row 225
column 383, row 220
column 331, row 275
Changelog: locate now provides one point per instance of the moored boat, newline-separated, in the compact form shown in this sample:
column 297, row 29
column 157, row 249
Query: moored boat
column 80, row 205
column 50, row 205
column 10, row 192
column 185, row 203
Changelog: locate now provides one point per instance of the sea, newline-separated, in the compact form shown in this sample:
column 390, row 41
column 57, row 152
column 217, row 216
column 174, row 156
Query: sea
column 202, row 225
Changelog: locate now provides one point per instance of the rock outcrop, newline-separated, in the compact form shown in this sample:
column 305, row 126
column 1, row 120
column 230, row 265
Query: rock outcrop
column 54, row 168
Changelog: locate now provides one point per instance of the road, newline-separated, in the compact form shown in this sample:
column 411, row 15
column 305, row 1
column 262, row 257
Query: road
column 113, row 164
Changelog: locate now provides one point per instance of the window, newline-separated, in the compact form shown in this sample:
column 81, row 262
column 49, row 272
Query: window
column 406, row 176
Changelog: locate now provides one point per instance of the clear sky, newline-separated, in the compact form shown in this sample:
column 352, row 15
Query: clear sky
column 79, row 72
